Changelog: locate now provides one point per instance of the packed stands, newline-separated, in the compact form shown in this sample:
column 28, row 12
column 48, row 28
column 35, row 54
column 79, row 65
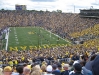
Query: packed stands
column 66, row 25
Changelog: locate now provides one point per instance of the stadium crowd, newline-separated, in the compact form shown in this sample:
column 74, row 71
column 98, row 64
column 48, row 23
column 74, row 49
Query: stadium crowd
column 62, row 24
column 66, row 61
column 71, row 60
column 66, row 25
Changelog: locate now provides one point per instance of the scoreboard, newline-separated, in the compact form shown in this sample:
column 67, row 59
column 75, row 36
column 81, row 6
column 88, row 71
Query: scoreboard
column 20, row 7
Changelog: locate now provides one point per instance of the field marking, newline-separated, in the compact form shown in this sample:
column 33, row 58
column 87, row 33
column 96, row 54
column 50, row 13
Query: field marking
column 50, row 34
column 16, row 38
column 7, row 35
column 56, row 35
column 47, row 32
column 17, row 42
column 31, row 28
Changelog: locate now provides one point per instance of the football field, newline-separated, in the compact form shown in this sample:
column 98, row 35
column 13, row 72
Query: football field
column 26, row 38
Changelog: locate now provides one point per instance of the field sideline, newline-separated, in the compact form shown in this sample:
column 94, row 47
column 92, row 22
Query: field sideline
column 26, row 38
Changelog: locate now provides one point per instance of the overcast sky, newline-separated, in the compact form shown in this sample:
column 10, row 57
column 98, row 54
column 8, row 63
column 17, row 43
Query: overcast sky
column 64, row 5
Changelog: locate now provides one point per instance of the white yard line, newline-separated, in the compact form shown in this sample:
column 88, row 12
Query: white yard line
column 56, row 35
column 7, row 37
column 16, row 38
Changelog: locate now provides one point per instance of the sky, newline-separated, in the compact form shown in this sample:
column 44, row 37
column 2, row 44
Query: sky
column 72, row 6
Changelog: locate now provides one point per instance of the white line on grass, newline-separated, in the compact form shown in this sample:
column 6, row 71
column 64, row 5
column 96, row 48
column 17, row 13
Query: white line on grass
column 17, row 42
column 7, row 36
column 28, row 36
column 15, row 35
column 16, row 38
column 56, row 35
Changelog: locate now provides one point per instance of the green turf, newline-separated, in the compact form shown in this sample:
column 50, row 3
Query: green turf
column 32, row 37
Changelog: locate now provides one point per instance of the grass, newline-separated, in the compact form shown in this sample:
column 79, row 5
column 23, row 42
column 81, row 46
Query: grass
column 25, row 38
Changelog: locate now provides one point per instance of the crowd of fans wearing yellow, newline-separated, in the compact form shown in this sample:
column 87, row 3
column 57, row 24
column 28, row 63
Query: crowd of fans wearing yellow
column 90, row 32
column 59, row 23
column 66, row 25
column 42, row 58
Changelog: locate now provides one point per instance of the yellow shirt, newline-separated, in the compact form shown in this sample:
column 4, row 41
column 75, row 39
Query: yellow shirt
column 10, row 63
column 22, row 58
column 16, row 62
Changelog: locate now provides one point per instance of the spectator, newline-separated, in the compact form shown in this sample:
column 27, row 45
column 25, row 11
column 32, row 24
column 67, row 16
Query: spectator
column 55, row 71
column 59, row 67
column 7, row 70
column 84, row 70
column 88, row 64
column 77, row 69
column 95, row 66
column 66, row 68
column 49, row 70
column 19, row 69
column 43, row 68
column 36, row 73
column 1, row 71
column 26, row 71
column 75, row 57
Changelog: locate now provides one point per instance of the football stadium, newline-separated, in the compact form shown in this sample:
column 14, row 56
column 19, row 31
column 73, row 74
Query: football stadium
column 42, row 42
